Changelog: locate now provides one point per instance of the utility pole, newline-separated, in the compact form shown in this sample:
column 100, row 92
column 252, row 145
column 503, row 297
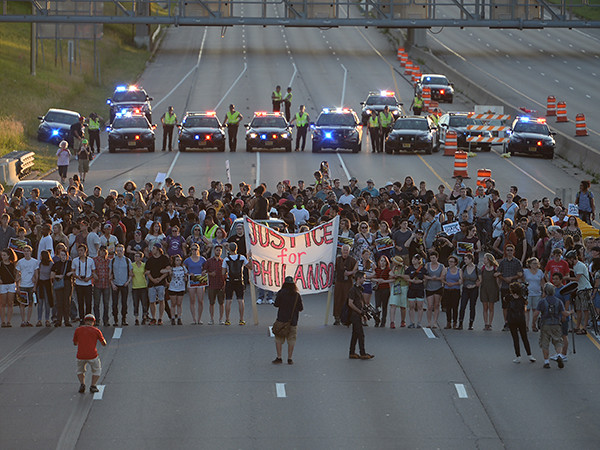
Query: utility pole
column 33, row 49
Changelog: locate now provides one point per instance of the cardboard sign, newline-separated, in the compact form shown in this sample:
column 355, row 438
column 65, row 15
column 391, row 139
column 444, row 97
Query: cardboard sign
column 17, row 244
column 198, row 280
column 345, row 240
column 451, row 228
column 384, row 243
column 573, row 210
column 463, row 248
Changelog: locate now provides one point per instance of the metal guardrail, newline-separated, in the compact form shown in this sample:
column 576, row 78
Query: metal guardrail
column 320, row 13
column 25, row 161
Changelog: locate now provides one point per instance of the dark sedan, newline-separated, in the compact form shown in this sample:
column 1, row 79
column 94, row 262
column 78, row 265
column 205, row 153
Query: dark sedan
column 411, row 134
column 131, row 132
column 55, row 126
column 201, row 130
column 441, row 89
column 531, row 136
column 268, row 130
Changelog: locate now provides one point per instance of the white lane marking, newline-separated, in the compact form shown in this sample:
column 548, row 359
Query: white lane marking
column 344, row 168
column 460, row 389
column 173, row 164
column 117, row 333
column 429, row 333
column 528, row 175
column 96, row 156
column 293, row 75
column 344, row 85
column 257, row 168
column 98, row 395
column 231, row 87
column 271, row 332
column 187, row 74
column 280, row 387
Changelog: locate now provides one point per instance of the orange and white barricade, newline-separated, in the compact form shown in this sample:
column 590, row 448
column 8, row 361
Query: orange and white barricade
column 551, row 106
column 482, row 175
column 461, row 164
column 400, row 53
column 408, row 68
column 561, row 112
column 426, row 96
column 580, row 127
column 451, row 144
column 416, row 74
column 403, row 59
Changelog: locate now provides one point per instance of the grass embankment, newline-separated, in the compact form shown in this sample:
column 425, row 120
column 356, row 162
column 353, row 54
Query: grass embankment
column 25, row 97
column 587, row 9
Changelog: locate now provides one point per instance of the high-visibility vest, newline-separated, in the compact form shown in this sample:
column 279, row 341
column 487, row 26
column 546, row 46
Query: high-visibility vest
column 418, row 102
column 276, row 96
column 301, row 119
column 386, row 120
column 170, row 119
column 233, row 118
column 288, row 97
column 93, row 125
column 373, row 122
column 435, row 119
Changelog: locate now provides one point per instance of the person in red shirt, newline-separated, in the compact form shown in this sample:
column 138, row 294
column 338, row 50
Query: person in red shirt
column 85, row 338
column 389, row 212
column 216, row 284
column 556, row 264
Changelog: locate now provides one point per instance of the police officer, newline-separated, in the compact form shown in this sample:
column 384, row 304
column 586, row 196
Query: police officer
column 169, row 120
column 374, row 132
column 93, row 127
column 232, row 120
column 417, row 104
column 302, row 120
column 355, row 303
column 386, row 120
column 287, row 102
column 434, row 116
column 276, row 99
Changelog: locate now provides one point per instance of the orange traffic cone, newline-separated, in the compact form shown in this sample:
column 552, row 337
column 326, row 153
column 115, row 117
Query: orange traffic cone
column 451, row 144
column 426, row 96
column 400, row 53
column 580, row 128
column 561, row 112
column 482, row 175
column 461, row 164
column 403, row 59
column 408, row 68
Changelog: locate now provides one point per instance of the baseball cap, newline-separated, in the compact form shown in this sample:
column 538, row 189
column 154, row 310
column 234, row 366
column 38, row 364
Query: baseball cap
column 107, row 226
column 370, row 181
column 90, row 317
column 84, row 141
column 353, row 179
column 389, row 183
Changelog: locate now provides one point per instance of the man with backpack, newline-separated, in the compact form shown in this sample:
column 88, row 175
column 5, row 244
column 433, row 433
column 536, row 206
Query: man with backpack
column 584, row 290
column 353, row 309
column 233, row 271
column 553, row 313
column 121, row 274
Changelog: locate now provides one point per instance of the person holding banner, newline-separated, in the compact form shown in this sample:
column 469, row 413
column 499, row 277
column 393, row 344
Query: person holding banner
column 345, row 267
column 289, row 304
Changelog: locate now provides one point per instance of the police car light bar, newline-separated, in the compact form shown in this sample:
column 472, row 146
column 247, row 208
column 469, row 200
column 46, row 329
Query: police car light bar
column 133, row 88
column 387, row 93
column 211, row 113
column 121, row 88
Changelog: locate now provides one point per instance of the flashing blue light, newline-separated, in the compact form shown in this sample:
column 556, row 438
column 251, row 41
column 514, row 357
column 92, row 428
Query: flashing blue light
column 428, row 78
column 524, row 119
column 54, row 132
column 328, row 135
column 263, row 136
column 108, row 102
column 325, row 110
column 196, row 137
column 121, row 88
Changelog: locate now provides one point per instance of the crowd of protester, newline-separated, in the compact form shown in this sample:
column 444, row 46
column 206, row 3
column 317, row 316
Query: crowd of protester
column 421, row 251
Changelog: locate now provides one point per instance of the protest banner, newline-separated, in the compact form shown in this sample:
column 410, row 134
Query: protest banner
column 451, row 228
column 17, row 244
column 308, row 257
column 199, row 280
column 384, row 243
column 573, row 210
column 462, row 248
column 345, row 240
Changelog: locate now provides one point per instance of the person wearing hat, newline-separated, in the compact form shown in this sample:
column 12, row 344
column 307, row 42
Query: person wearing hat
column 83, row 157
column 289, row 304
column 85, row 338
column 370, row 189
column 63, row 157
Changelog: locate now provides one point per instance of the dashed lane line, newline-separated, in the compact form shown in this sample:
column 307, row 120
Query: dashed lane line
column 280, row 389
column 460, row 390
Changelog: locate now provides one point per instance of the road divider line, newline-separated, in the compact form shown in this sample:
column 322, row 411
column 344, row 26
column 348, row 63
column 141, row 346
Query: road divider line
column 271, row 332
column 232, row 86
column 293, row 75
column 117, row 333
column 461, row 391
column 173, row 164
column 429, row 333
column 434, row 172
column 257, row 169
column 98, row 395
column 280, row 388
column 526, row 173
column 344, row 167
column 344, row 85
column 187, row 74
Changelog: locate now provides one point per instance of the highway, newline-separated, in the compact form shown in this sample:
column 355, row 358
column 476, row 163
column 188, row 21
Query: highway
column 214, row 387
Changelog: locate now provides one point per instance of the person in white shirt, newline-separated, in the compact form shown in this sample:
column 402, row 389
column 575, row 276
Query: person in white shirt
column 584, row 289
column 27, row 278
column 82, row 271
column 347, row 197
column 46, row 242
column 109, row 240
column 299, row 212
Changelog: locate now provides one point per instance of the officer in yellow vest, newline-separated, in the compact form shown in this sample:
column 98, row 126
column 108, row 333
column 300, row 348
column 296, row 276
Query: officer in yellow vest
column 93, row 127
column 232, row 121
column 417, row 104
column 375, row 132
column 386, row 120
column 276, row 99
column 169, row 120
column 434, row 116
column 287, row 102
column 302, row 120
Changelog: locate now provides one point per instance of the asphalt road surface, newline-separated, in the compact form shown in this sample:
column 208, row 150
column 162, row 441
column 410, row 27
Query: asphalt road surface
column 214, row 387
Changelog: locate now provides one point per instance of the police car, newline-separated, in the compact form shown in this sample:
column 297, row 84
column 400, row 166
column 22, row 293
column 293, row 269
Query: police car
column 130, row 97
column 441, row 89
column 531, row 136
column 378, row 100
column 201, row 130
column 131, row 130
column 337, row 128
column 268, row 130
column 411, row 134
column 55, row 126
column 458, row 122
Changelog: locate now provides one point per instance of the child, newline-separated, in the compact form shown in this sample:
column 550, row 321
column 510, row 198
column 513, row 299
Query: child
column 178, row 274
column 85, row 338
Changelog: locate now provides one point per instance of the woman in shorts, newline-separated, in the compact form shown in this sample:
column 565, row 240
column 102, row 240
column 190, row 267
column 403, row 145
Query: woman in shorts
column 194, row 264
column 7, row 285
column 416, row 290
column 178, row 275
column 534, row 277
column 433, row 288
column 398, row 291
column 489, row 292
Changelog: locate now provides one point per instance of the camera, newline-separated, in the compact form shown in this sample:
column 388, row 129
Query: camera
column 370, row 312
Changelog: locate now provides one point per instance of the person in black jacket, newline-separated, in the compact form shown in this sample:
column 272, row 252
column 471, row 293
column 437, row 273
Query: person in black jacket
column 355, row 303
column 289, row 304
column 516, row 321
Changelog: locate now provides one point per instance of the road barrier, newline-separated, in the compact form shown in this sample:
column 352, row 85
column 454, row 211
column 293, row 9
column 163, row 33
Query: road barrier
column 488, row 140
column 580, row 127
column 403, row 59
column 482, row 175
column 426, row 96
column 408, row 68
column 561, row 112
column 551, row 106
column 433, row 105
column 400, row 53
column 25, row 161
column 416, row 75
column 461, row 164
column 488, row 116
column 451, row 144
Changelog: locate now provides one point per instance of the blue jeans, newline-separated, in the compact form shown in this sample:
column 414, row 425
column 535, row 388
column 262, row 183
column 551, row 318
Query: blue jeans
column 104, row 295
column 123, row 292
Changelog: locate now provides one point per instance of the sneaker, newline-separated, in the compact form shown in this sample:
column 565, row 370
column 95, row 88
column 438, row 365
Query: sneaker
column 39, row 324
column 560, row 362
column 505, row 327
column 137, row 322
column 554, row 357
column 173, row 321
column 48, row 324
column 259, row 301
column 419, row 325
column 277, row 361
column 290, row 361
column 211, row 322
column 82, row 389
column 179, row 322
column 221, row 323
column 517, row 360
column 93, row 389
column 531, row 358
column 200, row 322
column 124, row 323
column 392, row 325
column 353, row 356
column 367, row 356
column 564, row 358
column 402, row 324
column 412, row 325
column 242, row 322
column 271, row 301
column 546, row 365
column 227, row 322
column 337, row 322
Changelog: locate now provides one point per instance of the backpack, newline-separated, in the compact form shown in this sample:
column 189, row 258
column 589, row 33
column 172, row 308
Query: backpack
column 235, row 268
column 550, row 313
column 112, row 265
